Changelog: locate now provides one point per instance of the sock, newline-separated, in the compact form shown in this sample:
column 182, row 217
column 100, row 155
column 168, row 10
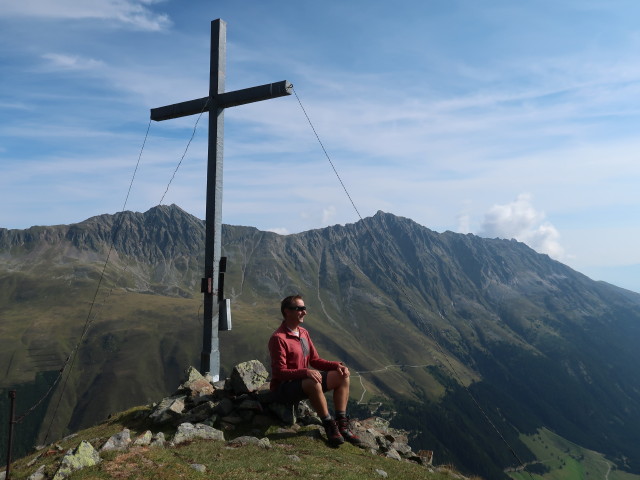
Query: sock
column 327, row 418
column 341, row 414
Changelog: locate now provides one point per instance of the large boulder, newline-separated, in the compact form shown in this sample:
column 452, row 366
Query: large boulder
column 188, row 431
column 196, row 385
column 248, row 377
column 83, row 456
column 169, row 408
column 119, row 442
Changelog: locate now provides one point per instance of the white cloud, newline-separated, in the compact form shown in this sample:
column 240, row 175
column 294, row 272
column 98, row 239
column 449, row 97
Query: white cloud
column 328, row 213
column 464, row 223
column 133, row 13
column 520, row 220
column 71, row 62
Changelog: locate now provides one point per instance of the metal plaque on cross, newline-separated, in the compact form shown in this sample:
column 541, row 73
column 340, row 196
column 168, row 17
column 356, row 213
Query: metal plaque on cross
column 215, row 104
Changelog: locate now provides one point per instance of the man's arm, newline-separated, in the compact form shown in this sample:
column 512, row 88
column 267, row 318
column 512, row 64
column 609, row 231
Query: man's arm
column 318, row 362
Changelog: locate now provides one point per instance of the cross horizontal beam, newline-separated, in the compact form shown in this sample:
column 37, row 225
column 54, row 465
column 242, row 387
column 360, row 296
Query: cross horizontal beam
column 223, row 100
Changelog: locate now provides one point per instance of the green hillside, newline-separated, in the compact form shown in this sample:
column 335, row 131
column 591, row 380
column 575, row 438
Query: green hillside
column 564, row 460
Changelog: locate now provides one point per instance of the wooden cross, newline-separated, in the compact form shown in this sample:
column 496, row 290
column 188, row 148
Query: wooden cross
column 215, row 103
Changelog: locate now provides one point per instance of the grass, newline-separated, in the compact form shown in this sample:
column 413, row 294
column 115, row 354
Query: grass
column 301, row 454
column 568, row 461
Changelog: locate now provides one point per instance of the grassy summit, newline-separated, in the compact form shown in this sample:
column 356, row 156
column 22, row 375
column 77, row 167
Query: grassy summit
column 293, row 454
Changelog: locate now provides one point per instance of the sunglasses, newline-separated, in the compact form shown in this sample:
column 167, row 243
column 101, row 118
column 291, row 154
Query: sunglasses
column 298, row 309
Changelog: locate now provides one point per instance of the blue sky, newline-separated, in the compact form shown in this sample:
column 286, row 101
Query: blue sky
column 499, row 118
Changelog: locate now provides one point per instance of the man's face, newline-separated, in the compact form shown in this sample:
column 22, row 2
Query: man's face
column 295, row 313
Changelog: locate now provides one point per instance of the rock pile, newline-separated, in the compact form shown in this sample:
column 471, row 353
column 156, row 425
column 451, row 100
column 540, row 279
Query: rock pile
column 244, row 402
column 239, row 409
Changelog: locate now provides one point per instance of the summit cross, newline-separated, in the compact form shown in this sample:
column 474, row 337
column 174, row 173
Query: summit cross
column 212, row 284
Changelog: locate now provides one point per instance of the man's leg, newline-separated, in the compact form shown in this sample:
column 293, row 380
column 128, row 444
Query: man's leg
column 313, row 390
column 340, row 386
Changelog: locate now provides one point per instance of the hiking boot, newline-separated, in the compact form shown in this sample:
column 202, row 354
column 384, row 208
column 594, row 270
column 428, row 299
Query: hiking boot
column 333, row 434
column 344, row 427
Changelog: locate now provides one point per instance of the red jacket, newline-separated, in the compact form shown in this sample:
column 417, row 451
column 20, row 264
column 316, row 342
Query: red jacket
column 288, row 360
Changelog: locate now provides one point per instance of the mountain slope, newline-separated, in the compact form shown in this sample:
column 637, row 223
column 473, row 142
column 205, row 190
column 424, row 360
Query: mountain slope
column 421, row 315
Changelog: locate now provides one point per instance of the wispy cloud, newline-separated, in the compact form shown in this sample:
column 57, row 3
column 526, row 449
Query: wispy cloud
column 132, row 13
column 61, row 61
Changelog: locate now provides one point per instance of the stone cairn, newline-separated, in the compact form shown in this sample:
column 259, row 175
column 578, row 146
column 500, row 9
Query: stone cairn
column 238, row 408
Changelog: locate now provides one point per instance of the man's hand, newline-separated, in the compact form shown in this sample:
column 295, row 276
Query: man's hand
column 343, row 370
column 314, row 375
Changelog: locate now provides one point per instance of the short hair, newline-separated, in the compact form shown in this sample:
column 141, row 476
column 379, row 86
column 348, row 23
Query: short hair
column 287, row 302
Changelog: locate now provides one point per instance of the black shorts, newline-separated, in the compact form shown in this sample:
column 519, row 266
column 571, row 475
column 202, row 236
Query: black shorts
column 291, row 391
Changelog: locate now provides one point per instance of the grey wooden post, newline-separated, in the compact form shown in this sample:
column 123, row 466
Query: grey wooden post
column 215, row 104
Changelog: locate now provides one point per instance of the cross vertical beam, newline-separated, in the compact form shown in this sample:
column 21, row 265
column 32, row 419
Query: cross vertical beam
column 210, row 355
column 215, row 104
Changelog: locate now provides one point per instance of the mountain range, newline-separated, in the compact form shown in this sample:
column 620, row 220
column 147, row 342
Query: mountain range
column 478, row 345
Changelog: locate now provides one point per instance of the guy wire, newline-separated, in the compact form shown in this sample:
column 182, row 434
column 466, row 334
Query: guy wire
column 193, row 134
column 404, row 292
column 72, row 356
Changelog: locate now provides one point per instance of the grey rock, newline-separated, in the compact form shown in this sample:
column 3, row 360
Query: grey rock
column 191, row 375
column 402, row 448
column 120, row 441
column 306, row 415
column 193, row 402
column 265, row 396
column 37, row 475
column 377, row 423
column 382, row 473
column 158, row 440
column 199, row 413
column 383, row 442
column 248, row 377
column 247, row 440
column 196, row 385
column 391, row 453
column 426, row 456
column 367, row 437
column 83, row 456
column 250, row 404
column 198, row 467
column 233, row 419
column 220, row 384
column 211, row 421
column 169, row 408
column 188, row 431
column 143, row 440
column 199, row 388
column 224, row 407
column 294, row 458
column 285, row 413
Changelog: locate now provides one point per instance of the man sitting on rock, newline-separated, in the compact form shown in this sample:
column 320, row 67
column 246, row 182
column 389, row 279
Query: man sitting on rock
column 292, row 356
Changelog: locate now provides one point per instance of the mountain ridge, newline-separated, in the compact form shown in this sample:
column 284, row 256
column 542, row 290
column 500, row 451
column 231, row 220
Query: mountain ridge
column 382, row 291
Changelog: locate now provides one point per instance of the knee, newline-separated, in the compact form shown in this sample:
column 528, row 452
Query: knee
column 311, row 386
column 335, row 380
